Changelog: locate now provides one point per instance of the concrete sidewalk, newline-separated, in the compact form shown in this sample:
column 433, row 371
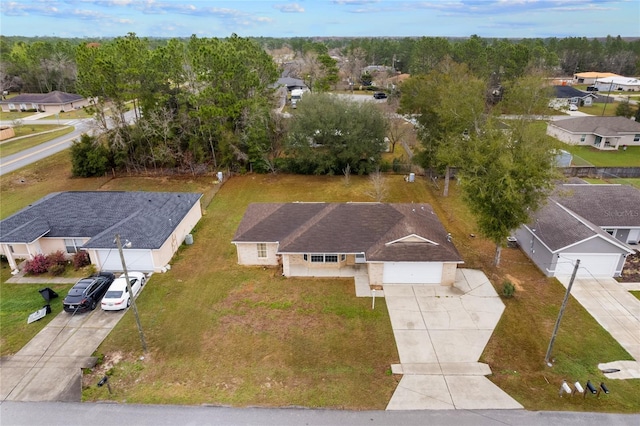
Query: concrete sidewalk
column 617, row 311
column 440, row 333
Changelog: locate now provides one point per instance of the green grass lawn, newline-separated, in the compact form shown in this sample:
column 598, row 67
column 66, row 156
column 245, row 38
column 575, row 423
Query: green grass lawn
column 69, row 115
column 592, row 156
column 220, row 333
column 636, row 294
column 14, row 115
column 11, row 147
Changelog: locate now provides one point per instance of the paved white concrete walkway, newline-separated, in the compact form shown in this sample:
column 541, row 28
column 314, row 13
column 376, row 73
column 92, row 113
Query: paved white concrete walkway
column 440, row 333
column 617, row 311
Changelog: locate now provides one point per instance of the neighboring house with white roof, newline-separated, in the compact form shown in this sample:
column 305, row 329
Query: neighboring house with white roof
column 53, row 102
column 391, row 243
column 600, row 132
column 154, row 223
column 617, row 84
column 598, row 224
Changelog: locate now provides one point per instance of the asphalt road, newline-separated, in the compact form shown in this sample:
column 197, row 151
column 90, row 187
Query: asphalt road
column 23, row 158
column 28, row 156
column 60, row 413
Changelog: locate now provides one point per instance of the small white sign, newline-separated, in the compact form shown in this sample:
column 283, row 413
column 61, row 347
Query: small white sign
column 37, row 315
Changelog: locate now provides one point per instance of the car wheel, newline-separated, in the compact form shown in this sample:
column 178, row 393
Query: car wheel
column 93, row 305
column 128, row 302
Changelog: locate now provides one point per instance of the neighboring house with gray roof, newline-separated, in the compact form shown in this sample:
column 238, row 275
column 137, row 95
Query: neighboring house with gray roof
column 391, row 243
column 155, row 224
column 53, row 102
column 606, row 133
column 598, row 224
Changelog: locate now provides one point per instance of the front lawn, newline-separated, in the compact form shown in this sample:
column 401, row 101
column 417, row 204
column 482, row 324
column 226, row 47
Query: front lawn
column 220, row 333
column 614, row 158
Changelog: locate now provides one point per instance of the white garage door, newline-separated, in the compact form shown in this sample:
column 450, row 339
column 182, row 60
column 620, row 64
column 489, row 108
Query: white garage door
column 136, row 260
column 591, row 265
column 412, row 273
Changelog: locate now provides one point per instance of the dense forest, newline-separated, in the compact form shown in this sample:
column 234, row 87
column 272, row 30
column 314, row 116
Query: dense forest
column 43, row 64
column 208, row 103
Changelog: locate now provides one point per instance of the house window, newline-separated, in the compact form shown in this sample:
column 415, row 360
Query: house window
column 11, row 249
column 343, row 257
column 331, row 258
column 72, row 245
column 317, row 258
column 12, row 106
column 262, row 250
column 583, row 138
column 636, row 138
column 305, row 257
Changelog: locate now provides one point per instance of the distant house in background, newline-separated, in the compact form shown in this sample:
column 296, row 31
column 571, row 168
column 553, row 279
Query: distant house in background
column 617, row 84
column 597, row 224
column 606, row 133
column 52, row 102
column 291, row 83
column 567, row 95
column 591, row 77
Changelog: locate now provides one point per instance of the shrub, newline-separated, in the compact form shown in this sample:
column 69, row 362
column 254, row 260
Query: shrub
column 80, row 260
column 508, row 289
column 36, row 266
column 57, row 258
column 56, row 269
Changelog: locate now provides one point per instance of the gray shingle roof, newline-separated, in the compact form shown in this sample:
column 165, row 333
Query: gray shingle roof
column 53, row 98
column 349, row 228
column 592, row 123
column 603, row 205
column 145, row 218
column 558, row 228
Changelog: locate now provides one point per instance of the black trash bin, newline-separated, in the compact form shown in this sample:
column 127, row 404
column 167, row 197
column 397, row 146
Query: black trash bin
column 48, row 294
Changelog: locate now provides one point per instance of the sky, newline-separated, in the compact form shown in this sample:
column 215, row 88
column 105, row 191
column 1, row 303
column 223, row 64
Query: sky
column 321, row 18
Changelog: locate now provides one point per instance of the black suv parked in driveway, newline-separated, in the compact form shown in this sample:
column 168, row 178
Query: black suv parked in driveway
column 380, row 95
column 86, row 294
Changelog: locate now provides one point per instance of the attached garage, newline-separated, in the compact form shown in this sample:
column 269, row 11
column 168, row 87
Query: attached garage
column 412, row 273
column 136, row 260
column 591, row 265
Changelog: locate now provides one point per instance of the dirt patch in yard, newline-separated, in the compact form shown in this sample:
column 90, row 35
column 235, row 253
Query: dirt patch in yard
column 631, row 271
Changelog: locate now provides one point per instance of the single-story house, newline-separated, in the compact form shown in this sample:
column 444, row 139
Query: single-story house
column 598, row 224
column 291, row 83
column 391, row 243
column 599, row 132
column 566, row 95
column 151, row 225
column 612, row 84
column 53, row 102
column 591, row 77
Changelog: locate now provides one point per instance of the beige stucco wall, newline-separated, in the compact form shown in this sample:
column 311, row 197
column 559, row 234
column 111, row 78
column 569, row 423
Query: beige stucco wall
column 248, row 254
column 6, row 133
column 375, row 273
column 162, row 256
column 449, row 273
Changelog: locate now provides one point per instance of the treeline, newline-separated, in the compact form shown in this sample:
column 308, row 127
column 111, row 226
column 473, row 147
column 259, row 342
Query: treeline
column 43, row 64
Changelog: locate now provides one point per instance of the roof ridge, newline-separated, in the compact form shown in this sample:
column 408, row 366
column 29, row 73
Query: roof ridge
column 329, row 207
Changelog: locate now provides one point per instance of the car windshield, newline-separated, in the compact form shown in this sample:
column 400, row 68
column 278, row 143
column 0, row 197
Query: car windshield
column 113, row 294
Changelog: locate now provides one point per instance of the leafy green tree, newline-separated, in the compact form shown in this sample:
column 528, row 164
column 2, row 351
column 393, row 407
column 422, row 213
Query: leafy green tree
column 89, row 157
column 624, row 109
column 327, row 134
column 506, row 172
column 449, row 105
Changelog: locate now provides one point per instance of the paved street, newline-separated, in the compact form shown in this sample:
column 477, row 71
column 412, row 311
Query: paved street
column 68, row 414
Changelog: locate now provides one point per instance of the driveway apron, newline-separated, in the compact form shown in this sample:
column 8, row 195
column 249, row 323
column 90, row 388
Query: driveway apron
column 48, row 367
column 618, row 312
column 440, row 332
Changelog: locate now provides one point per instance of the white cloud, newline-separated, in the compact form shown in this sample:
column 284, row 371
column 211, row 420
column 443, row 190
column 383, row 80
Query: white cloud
column 289, row 8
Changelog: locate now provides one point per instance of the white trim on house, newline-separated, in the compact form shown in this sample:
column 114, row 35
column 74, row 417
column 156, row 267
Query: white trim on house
column 412, row 238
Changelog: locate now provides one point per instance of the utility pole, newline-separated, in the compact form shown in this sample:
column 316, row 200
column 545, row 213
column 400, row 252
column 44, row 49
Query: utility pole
column 564, row 305
column 133, row 301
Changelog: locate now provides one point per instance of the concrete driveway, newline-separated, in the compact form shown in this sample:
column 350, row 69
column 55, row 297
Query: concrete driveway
column 48, row 368
column 440, row 333
column 617, row 311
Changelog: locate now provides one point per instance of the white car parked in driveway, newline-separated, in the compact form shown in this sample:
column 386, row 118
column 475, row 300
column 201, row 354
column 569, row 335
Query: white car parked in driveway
column 117, row 297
